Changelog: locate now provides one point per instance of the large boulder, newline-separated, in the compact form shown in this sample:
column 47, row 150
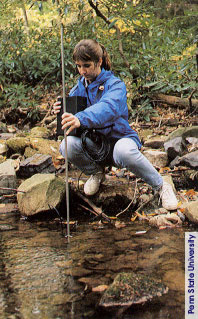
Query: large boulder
column 39, row 193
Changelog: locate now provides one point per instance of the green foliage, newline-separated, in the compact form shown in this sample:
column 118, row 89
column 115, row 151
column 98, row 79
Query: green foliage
column 158, row 40
column 144, row 111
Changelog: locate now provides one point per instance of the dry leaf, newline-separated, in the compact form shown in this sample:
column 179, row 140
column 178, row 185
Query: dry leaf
column 119, row 225
column 100, row 288
column 133, row 218
column 190, row 193
column 168, row 220
column 164, row 170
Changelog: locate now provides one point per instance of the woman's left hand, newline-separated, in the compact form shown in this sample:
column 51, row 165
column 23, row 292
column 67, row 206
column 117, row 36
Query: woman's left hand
column 69, row 121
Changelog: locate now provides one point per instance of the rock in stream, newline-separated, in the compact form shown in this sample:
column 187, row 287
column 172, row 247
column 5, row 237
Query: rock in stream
column 129, row 289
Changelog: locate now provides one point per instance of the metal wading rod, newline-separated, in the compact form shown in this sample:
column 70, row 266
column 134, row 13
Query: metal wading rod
column 65, row 136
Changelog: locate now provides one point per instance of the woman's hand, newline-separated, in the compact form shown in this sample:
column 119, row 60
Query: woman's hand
column 71, row 121
column 57, row 106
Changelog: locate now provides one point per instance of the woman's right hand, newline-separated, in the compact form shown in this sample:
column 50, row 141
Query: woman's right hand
column 57, row 106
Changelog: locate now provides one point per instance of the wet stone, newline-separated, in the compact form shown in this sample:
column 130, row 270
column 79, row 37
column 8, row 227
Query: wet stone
column 8, row 208
column 130, row 288
column 6, row 227
column 94, row 281
column 78, row 272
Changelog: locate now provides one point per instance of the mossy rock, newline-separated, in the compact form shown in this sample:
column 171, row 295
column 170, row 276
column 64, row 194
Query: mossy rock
column 43, row 146
column 131, row 288
column 18, row 144
column 184, row 132
column 3, row 127
column 42, row 132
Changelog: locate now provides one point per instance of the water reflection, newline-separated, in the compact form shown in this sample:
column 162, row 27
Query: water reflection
column 42, row 276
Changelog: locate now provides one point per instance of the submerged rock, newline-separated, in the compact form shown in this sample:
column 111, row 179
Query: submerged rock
column 130, row 289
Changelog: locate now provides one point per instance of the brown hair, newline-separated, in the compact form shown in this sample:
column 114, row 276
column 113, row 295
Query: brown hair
column 91, row 50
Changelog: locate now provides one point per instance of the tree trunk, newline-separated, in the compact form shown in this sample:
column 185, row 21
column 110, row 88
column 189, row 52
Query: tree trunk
column 25, row 15
column 176, row 101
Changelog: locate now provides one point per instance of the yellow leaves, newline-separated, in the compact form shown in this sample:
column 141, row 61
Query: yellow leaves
column 175, row 57
column 190, row 50
column 68, row 40
column 112, row 31
column 122, row 25
column 135, row 2
column 137, row 22
column 146, row 15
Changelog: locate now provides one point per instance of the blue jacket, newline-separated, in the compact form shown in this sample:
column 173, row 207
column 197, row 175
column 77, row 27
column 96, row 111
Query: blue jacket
column 106, row 105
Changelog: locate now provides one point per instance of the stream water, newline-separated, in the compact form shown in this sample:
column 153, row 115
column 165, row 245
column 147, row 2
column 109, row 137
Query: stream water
column 42, row 276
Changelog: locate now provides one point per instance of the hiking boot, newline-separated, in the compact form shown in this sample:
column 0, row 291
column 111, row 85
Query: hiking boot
column 168, row 198
column 92, row 185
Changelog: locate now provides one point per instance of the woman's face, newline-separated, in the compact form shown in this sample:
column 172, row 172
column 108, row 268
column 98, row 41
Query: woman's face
column 90, row 70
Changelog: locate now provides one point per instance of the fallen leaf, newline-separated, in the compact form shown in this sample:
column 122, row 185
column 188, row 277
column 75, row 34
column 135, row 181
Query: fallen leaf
column 119, row 225
column 100, row 288
column 164, row 170
column 133, row 218
column 190, row 193
column 165, row 220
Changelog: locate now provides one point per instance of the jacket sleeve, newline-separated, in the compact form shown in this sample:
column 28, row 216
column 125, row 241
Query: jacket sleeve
column 110, row 106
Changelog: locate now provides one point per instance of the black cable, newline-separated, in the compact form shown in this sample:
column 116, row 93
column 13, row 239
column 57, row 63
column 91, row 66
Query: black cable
column 102, row 146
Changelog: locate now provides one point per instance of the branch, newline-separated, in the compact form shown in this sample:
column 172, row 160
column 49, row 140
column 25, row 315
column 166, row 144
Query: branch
column 190, row 100
column 11, row 189
column 123, row 211
column 98, row 211
column 102, row 16
column 98, row 12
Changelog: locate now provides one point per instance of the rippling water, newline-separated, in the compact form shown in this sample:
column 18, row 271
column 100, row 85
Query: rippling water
column 42, row 276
